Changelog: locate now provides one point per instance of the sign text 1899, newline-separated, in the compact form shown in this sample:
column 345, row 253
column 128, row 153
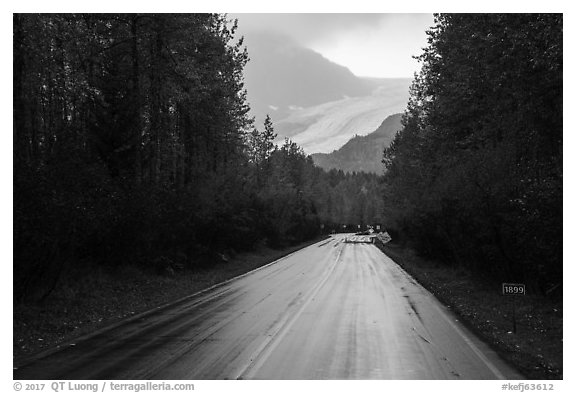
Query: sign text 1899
column 513, row 289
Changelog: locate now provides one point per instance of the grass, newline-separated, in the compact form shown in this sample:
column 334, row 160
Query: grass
column 536, row 349
column 92, row 298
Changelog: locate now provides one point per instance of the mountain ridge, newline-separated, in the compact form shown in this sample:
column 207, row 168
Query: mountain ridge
column 283, row 76
column 362, row 153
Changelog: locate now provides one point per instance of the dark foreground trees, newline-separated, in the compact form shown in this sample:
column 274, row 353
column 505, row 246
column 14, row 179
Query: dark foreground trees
column 132, row 145
column 121, row 125
column 475, row 176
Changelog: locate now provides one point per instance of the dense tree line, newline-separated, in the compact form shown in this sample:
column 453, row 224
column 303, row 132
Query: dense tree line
column 475, row 176
column 133, row 145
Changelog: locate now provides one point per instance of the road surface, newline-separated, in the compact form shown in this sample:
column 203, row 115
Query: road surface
column 338, row 309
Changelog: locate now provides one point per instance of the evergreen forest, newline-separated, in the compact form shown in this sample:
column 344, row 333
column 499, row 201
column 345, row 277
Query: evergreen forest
column 474, row 179
column 133, row 145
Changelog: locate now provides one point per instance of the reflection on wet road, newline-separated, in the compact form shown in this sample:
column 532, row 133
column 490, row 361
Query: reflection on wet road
column 338, row 309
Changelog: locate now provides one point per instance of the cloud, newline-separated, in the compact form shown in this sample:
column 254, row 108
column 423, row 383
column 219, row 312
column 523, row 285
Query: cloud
column 385, row 49
column 379, row 45
column 306, row 28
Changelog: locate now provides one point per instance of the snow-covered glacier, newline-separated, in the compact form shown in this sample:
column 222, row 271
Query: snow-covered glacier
column 326, row 127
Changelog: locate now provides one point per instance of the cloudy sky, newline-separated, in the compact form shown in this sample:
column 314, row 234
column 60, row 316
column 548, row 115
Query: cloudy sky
column 376, row 45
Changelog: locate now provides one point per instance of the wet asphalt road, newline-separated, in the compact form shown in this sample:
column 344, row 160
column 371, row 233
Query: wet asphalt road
column 337, row 309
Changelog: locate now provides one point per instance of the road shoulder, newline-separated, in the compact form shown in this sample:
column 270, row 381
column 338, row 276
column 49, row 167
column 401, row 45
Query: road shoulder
column 536, row 348
column 102, row 298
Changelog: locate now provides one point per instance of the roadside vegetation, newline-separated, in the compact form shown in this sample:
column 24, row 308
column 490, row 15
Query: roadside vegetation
column 474, row 178
column 536, row 349
column 473, row 181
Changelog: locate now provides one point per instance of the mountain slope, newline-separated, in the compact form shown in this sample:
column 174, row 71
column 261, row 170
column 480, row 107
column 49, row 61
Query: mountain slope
column 362, row 153
column 316, row 103
column 283, row 76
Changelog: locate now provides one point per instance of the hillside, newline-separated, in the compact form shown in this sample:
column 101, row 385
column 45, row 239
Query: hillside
column 362, row 153
column 283, row 76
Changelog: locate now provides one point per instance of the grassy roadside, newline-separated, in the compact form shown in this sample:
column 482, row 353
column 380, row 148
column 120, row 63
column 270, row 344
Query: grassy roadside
column 94, row 298
column 535, row 349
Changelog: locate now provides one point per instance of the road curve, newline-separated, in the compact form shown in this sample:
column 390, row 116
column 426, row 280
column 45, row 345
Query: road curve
column 338, row 309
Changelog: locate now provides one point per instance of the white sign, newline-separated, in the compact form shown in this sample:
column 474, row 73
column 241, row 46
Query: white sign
column 513, row 289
